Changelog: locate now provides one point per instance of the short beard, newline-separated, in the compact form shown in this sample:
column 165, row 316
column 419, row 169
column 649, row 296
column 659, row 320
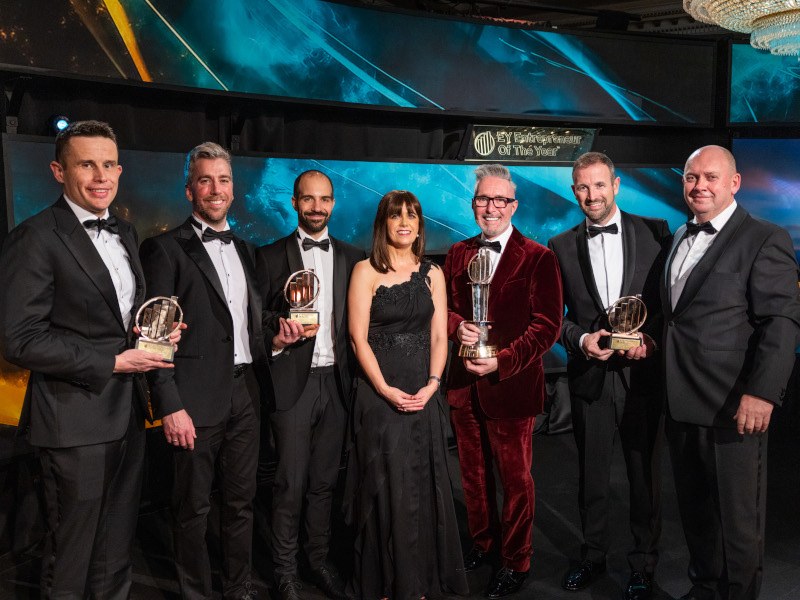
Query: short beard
column 207, row 218
column 310, row 227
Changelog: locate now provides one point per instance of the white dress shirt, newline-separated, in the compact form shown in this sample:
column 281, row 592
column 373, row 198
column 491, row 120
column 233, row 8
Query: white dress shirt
column 608, row 262
column 605, row 253
column 503, row 239
column 228, row 265
column 691, row 249
column 321, row 263
column 111, row 249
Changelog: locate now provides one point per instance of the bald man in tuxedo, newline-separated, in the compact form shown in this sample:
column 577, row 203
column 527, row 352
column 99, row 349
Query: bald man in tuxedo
column 730, row 301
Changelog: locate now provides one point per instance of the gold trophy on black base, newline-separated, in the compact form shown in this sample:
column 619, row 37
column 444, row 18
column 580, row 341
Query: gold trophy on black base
column 480, row 273
column 157, row 319
column 626, row 316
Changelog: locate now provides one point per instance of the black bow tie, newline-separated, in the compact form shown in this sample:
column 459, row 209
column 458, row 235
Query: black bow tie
column 109, row 224
column 323, row 245
column 594, row 230
column 209, row 234
column 495, row 245
column 226, row 237
column 695, row 228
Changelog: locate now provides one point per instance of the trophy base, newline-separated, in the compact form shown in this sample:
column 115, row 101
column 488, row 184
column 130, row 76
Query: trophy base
column 304, row 317
column 478, row 351
column 482, row 348
column 621, row 341
column 164, row 349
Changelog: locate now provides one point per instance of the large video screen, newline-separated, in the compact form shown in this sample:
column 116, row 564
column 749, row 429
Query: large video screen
column 765, row 88
column 151, row 194
column 771, row 182
column 324, row 51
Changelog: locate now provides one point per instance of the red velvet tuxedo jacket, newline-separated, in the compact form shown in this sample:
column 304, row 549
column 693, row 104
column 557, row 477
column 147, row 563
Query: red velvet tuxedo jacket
column 526, row 307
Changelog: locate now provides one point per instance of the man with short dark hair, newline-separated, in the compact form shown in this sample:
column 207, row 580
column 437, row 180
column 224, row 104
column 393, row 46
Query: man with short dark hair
column 210, row 403
column 312, row 373
column 494, row 400
column 610, row 255
column 71, row 282
column 732, row 313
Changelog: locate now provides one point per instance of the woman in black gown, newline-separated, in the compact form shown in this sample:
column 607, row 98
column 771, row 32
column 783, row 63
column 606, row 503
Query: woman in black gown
column 398, row 495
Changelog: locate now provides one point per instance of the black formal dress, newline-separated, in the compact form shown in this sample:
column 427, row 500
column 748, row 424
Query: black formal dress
column 398, row 495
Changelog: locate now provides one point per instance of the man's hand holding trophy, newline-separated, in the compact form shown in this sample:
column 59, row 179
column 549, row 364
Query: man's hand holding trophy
column 301, row 291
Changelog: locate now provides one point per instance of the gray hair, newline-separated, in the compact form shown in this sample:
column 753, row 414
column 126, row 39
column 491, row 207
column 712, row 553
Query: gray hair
column 204, row 150
column 493, row 170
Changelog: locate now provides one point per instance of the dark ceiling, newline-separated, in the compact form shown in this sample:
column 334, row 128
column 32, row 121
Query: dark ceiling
column 637, row 16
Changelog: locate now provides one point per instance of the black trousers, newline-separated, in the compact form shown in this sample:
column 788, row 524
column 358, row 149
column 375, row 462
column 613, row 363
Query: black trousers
column 638, row 421
column 308, row 438
column 228, row 451
column 721, row 482
column 92, row 504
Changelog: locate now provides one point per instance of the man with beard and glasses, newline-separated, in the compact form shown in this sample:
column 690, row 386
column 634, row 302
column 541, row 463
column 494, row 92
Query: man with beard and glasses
column 312, row 372
column 494, row 400
column 210, row 403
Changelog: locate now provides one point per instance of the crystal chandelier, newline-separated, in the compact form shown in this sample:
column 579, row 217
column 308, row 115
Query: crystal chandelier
column 773, row 25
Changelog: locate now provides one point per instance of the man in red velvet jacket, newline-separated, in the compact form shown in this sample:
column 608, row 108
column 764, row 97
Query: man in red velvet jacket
column 494, row 400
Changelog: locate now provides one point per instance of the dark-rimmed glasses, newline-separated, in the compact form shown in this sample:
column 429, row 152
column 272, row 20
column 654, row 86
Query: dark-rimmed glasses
column 498, row 201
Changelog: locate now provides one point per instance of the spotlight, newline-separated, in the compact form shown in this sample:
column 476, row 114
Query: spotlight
column 57, row 123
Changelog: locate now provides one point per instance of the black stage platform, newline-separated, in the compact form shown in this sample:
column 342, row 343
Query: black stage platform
column 556, row 534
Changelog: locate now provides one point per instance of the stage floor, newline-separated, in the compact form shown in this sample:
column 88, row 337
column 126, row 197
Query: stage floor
column 556, row 535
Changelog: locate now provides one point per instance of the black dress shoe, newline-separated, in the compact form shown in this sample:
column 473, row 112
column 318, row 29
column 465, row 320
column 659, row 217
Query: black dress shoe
column 327, row 580
column 582, row 575
column 289, row 588
column 474, row 559
column 640, row 586
column 505, row 582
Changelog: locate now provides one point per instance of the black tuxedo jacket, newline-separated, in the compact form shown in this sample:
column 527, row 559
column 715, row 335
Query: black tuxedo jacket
column 645, row 243
column 60, row 318
column 735, row 327
column 290, row 368
column 177, row 264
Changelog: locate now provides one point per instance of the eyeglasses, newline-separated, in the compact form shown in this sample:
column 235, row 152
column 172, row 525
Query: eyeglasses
column 498, row 201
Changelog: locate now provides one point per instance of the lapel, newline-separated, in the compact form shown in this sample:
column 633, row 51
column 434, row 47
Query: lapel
column 509, row 261
column 582, row 246
column 293, row 254
column 71, row 232
column 191, row 244
column 628, row 255
column 700, row 272
column 470, row 250
column 666, row 303
column 128, row 238
column 339, row 283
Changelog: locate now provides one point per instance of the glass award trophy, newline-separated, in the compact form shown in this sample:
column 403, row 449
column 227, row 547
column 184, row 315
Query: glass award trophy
column 157, row 319
column 626, row 316
column 301, row 291
column 480, row 273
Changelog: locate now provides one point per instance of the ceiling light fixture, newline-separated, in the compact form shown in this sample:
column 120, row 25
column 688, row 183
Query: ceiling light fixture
column 773, row 25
